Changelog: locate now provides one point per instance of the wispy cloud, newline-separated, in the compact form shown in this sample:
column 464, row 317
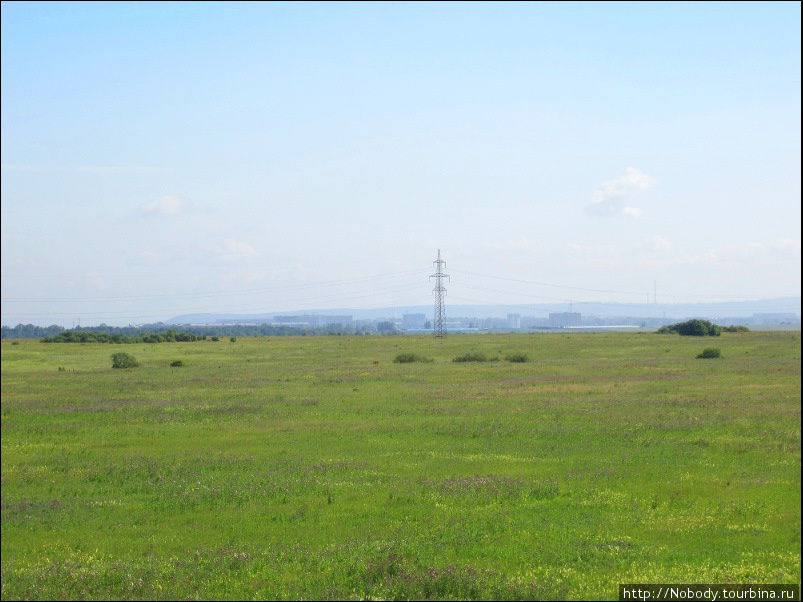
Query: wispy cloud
column 232, row 247
column 659, row 243
column 166, row 205
column 12, row 167
column 609, row 197
column 17, row 167
column 115, row 168
column 787, row 244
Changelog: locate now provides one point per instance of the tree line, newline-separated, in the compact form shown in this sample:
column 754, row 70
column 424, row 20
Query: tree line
column 113, row 334
column 83, row 336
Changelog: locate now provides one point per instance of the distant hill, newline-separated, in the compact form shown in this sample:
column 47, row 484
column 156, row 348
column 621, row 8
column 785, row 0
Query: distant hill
column 711, row 311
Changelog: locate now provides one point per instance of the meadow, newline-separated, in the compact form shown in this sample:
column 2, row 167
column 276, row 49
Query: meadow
column 316, row 467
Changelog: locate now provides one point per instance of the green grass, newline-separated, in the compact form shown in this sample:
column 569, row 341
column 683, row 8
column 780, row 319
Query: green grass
column 316, row 467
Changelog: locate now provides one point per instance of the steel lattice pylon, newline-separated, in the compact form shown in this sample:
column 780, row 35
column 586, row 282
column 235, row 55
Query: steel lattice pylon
column 439, row 328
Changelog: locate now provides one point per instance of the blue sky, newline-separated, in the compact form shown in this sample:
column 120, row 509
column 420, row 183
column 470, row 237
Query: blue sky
column 162, row 158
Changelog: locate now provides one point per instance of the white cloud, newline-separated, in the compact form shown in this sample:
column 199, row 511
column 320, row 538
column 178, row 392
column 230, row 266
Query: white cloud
column 608, row 198
column 660, row 243
column 633, row 181
column 166, row 205
column 236, row 248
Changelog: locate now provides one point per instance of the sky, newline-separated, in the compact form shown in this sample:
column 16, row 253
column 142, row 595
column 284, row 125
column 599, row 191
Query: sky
column 169, row 158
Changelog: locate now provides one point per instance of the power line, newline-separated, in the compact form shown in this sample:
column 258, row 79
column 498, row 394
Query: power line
column 608, row 291
column 491, row 290
column 576, row 288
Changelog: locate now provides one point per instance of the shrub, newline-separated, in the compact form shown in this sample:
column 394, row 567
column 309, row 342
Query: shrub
column 233, row 340
column 177, row 363
column 215, row 338
column 735, row 329
column 694, row 328
column 408, row 358
column 124, row 360
column 471, row 357
column 517, row 357
column 709, row 352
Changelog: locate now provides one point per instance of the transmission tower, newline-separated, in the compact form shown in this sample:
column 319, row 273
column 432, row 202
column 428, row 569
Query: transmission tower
column 439, row 328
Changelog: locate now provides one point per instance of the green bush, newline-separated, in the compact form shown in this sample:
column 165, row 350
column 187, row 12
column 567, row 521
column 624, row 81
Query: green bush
column 233, row 340
column 471, row 357
column 735, row 329
column 517, row 357
column 709, row 352
column 177, row 364
column 124, row 360
column 408, row 358
column 694, row 328
column 215, row 338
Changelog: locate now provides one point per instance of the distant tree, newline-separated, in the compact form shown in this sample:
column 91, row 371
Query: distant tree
column 735, row 328
column 695, row 328
column 29, row 331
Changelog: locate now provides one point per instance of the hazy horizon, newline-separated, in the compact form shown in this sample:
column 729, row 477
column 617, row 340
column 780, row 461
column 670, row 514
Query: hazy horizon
column 164, row 159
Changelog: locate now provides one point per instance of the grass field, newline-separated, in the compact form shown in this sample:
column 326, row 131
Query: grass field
column 316, row 467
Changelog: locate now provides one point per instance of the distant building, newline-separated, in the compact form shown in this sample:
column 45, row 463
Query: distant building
column 514, row 321
column 385, row 326
column 313, row 321
column 414, row 321
column 563, row 319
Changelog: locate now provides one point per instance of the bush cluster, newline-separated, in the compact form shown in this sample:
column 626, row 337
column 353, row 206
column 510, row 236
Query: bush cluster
column 709, row 352
column 408, row 358
column 695, row 328
column 517, row 357
column 471, row 357
column 124, row 360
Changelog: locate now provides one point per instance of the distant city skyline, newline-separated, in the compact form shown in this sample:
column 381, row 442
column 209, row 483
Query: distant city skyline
column 167, row 158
